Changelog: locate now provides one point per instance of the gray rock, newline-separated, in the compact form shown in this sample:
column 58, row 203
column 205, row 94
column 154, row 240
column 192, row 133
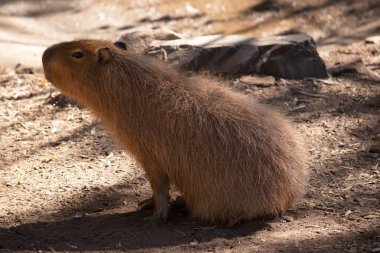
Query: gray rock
column 289, row 56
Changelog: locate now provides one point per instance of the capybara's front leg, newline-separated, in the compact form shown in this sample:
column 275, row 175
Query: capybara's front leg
column 160, row 187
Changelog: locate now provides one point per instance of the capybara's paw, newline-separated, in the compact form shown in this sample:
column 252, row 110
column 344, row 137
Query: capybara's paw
column 234, row 221
column 180, row 205
column 158, row 215
column 180, row 202
column 147, row 204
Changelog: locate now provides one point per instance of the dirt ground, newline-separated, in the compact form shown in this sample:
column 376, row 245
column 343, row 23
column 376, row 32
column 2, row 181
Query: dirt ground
column 65, row 186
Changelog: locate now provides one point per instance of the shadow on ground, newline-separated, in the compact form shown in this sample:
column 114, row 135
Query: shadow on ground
column 116, row 231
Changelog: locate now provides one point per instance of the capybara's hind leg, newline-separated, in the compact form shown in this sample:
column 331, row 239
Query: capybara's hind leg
column 160, row 187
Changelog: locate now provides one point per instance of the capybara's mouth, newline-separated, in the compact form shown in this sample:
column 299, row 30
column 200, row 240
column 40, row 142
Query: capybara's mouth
column 47, row 76
column 47, row 72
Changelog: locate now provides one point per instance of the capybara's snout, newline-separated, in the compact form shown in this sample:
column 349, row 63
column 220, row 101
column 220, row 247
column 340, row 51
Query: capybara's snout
column 47, row 55
column 48, row 61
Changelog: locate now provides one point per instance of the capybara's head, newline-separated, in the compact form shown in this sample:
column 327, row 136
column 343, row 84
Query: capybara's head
column 80, row 67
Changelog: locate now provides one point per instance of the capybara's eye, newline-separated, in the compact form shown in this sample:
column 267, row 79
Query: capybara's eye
column 77, row 54
column 121, row 45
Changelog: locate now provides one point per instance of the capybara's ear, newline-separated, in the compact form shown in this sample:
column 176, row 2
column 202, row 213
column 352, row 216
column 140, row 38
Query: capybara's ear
column 104, row 55
column 121, row 45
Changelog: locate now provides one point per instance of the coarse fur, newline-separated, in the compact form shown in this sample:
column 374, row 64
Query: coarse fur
column 232, row 158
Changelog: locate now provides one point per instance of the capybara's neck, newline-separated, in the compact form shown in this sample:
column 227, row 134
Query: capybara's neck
column 136, row 89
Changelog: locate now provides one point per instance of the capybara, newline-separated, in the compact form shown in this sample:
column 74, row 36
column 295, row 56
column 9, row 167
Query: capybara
column 230, row 157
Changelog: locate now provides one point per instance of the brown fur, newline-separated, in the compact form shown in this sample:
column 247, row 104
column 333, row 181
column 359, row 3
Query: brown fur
column 230, row 157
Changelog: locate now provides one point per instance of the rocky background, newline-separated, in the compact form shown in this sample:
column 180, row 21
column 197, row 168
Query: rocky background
column 65, row 186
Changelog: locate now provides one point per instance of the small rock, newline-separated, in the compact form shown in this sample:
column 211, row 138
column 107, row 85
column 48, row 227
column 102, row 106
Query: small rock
column 347, row 213
column 191, row 9
column 53, row 130
column 288, row 218
column 374, row 150
column 354, row 66
column 260, row 81
column 371, row 215
column 193, row 243
column 373, row 39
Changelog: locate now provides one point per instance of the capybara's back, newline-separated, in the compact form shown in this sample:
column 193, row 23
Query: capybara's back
column 231, row 158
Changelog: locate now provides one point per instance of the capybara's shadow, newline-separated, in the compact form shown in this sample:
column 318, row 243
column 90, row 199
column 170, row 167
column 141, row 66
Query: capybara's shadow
column 120, row 231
